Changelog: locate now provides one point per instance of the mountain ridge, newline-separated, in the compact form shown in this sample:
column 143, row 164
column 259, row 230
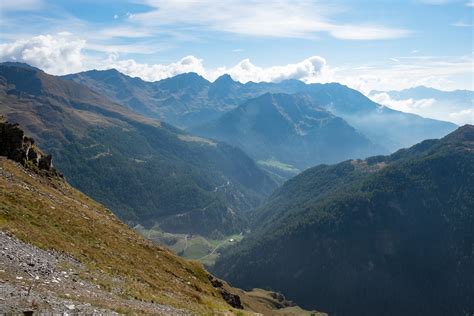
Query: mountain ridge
column 100, row 144
column 352, row 236
column 193, row 106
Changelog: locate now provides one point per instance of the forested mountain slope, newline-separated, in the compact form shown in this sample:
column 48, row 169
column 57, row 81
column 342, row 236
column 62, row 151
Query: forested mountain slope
column 389, row 235
column 145, row 170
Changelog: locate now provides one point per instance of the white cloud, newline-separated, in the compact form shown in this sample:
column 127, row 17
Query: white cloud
column 284, row 18
column 445, row 73
column 156, row 72
column 360, row 32
column 463, row 117
column 405, row 105
column 54, row 54
column 307, row 70
column 459, row 113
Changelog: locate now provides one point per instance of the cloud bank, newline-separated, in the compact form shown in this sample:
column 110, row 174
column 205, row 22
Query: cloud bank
column 55, row 54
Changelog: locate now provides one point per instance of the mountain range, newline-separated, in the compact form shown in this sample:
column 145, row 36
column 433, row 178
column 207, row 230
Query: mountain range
column 188, row 100
column 388, row 235
column 289, row 129
column 145, row 170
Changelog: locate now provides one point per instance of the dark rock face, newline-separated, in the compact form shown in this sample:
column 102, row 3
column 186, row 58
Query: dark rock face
column 231, row 299
column 20, row 148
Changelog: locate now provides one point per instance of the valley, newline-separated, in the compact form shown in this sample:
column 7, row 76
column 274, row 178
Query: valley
column 237, row 158
column 63, row 252
column 194, row 247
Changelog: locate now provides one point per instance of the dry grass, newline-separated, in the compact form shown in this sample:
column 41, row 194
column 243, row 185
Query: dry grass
column 52, row 215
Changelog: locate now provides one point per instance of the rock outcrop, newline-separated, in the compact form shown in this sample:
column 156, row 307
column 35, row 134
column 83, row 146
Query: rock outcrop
column 231, row 299
column 20, row 148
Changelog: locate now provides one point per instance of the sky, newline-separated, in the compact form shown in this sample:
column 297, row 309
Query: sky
column 367, row 45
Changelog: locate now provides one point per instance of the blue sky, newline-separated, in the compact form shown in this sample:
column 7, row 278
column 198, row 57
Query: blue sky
column 367, row 45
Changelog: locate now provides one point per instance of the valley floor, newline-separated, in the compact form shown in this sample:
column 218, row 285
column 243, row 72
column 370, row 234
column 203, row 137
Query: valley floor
column 189, row 246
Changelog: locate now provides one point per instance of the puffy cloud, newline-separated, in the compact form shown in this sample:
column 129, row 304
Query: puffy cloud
column 55, row 54
column 156, row 72
column 307, row 70
column 405, row 105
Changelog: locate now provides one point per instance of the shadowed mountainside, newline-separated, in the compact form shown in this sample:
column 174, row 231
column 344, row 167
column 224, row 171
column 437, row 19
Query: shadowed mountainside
column 389, row 235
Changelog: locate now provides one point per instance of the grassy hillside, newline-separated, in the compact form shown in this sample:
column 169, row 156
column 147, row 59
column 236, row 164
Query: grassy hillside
column 146, row 171
column 50, row 214
column 62, row 252
column 389, row 235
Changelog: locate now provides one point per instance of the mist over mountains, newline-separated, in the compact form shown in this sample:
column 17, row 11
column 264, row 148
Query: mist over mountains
column 191, row 101
column 297, row 188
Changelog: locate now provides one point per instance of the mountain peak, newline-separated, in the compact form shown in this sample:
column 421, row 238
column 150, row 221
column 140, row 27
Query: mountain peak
column 184, row 80
column 191, row 76
column 224, row 79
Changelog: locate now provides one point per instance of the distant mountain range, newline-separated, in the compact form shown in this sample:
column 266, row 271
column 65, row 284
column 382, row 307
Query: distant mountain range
column 290, row 129
column 145, row 170
column 456, row 106
column 389, row 235
column 188, row 100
